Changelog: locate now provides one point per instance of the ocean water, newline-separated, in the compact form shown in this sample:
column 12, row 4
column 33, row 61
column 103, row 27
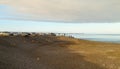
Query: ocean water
column 114, row 38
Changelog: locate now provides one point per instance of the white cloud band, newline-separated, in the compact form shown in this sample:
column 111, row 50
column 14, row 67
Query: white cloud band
column 67, row 10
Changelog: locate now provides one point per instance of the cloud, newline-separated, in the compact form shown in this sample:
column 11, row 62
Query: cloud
column 66, row 10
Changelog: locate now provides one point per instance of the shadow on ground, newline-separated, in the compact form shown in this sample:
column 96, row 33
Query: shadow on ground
column 41, row 53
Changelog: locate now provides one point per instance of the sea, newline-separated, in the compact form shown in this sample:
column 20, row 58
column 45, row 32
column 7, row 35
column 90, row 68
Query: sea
column 113, row 38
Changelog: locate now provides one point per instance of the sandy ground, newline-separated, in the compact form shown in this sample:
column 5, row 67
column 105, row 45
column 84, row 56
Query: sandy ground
column 50, row 52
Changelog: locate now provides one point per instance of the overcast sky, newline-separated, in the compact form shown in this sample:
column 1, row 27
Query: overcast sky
column 76, row 16
column 64, row 10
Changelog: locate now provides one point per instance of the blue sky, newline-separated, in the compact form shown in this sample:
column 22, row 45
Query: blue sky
column 34, row 26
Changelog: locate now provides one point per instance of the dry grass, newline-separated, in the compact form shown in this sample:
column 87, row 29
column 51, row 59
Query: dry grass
column 50, row 52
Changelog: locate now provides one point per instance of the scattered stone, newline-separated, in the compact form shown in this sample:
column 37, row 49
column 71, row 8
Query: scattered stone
column 38, row 58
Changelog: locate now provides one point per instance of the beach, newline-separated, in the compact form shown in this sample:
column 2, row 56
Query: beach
column 57, row 52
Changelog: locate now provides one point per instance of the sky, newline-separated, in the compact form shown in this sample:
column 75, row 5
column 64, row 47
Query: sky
column 36, row 26
column 71, row 16
column 75, row 11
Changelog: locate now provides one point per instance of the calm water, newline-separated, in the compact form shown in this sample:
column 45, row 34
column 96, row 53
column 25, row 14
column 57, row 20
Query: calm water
column 115, row 38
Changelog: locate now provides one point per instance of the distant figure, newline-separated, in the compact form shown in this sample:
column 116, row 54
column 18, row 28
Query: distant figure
column 63, row 34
